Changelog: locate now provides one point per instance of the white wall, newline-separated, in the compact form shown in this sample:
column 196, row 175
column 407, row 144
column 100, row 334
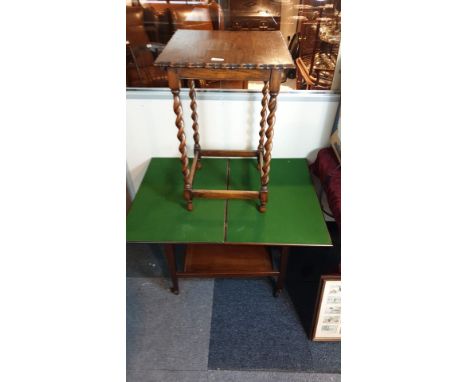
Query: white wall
column 228, row 120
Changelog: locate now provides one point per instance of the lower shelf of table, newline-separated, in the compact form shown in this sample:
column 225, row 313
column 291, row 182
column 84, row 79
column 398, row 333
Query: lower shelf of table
column 211, row 260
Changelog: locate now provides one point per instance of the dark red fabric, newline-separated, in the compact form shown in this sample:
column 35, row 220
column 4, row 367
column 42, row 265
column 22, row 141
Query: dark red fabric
column 326, row 168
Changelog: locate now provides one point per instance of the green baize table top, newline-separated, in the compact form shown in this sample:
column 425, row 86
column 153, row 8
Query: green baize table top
column 293, row 217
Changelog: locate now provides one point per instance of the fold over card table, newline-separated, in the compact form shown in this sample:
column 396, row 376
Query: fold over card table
column 234, row 230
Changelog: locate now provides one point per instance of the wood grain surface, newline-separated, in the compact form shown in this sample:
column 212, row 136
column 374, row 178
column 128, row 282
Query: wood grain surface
column 226, row 49
column 228, row 260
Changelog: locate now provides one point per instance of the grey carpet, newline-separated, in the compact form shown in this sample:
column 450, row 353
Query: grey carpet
column 252, row 330
column 168, row 336
column 166, row 376
column 168, row 332
column 227, row 376
column 269, row 376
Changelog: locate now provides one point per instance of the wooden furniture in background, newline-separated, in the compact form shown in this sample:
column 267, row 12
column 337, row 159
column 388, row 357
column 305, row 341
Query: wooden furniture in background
column 319, row 40
column 228, row 238
column 224, row 55
column 165, row 17
column 149, row 28
column 140, row 53
column 262, row 15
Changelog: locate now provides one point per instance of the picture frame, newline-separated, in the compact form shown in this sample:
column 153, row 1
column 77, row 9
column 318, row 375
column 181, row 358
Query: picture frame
column 327, row 323
column 336, row 144
column 335, row 137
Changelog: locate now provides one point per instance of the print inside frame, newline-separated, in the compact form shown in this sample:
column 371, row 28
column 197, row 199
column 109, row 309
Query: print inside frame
column 327, row 325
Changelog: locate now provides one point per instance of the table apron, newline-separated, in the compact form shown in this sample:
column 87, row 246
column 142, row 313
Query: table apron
column 224, row 74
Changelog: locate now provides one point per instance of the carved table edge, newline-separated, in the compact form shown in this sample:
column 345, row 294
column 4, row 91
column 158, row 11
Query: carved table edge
column 218, row 65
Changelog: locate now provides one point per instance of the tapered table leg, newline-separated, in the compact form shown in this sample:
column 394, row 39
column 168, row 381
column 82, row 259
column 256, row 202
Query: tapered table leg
column 171, row 263
column 283, row 266
column 174, row 84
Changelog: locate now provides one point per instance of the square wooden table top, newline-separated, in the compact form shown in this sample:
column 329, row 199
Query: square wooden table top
column 226, row 50
column 294, row 217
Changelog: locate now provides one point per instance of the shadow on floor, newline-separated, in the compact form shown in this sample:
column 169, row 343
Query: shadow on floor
column 305, row 267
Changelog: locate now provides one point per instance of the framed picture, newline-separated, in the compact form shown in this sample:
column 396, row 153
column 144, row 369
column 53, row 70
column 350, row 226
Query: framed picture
column 327, row 326
column 335, row 137
column 336, row 144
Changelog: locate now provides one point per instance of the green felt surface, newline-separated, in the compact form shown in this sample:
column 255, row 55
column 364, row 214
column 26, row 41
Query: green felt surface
column 293, row 213
column 293, row 216
column 159, row 213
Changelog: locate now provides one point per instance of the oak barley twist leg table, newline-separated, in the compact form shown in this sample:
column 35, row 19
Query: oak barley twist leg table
column 226, row 55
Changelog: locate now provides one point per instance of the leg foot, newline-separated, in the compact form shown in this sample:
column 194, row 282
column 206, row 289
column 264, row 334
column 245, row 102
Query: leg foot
column 263, row 199
column 283, row 264
column 199, row 165
column 174, row 290
column 171, row 263
column 188, row 196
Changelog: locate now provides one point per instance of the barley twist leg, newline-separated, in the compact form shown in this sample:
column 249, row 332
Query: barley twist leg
column 182, row 148
column 263, row 113
column 196, row 135
column 268, row 147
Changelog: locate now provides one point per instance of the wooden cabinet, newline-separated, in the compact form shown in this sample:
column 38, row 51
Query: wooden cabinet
column 252, row 14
